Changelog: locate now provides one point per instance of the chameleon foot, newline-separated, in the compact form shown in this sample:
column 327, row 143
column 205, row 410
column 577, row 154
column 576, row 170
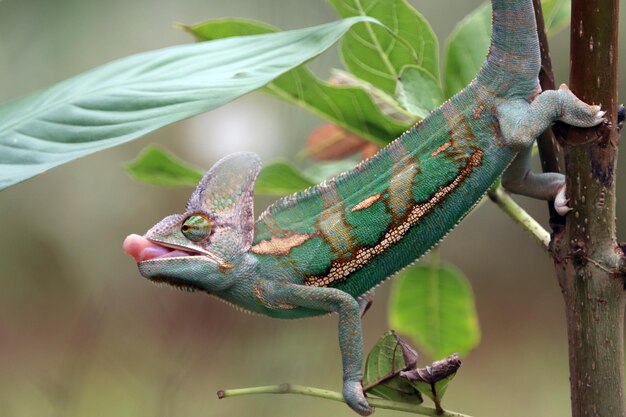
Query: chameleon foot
column 353, row 394
column 560, row 202
column 576, row 112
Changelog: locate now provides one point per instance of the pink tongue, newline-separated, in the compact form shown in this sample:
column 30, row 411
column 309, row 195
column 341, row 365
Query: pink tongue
column 141, row 249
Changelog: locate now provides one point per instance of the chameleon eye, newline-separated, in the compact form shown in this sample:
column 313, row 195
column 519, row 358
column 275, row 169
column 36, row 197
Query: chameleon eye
column 196, row 227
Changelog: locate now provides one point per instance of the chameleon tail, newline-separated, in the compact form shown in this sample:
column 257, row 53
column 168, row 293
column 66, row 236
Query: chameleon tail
column 514, row 51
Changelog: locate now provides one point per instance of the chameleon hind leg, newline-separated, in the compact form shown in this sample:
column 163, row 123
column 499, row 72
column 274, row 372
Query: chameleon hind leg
column 521, row 123
column 350, row 336
column 520, row 179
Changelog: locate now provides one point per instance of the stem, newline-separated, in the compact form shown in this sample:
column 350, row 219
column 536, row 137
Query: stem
column 586, row 255
column 546, row 142
column 335, row 396
column 519, row 216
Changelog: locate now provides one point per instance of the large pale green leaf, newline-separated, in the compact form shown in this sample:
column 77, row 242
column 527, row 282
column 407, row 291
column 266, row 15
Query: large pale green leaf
column 125, row 99
column 434, row 305
column 466, row 49
column 374, row 54
column 350, row 107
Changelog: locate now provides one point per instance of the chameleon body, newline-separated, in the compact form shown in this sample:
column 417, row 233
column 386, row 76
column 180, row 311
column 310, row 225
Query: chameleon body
column 318, row 251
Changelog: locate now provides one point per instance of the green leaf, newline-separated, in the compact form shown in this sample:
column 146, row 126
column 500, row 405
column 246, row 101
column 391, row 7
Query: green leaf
column 386, row 103
column 281, row 178
column 350, row 107
column 466, row 49
column 389, row 356
column 434, row 305
column 418, row 91
column 433, row 380
column 556, row 15
column 211, row 30
column 374, row 54
column 125, row 99
column 158, row 167
column 322, row 171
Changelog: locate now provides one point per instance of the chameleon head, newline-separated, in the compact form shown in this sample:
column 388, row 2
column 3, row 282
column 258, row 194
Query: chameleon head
column 197, row 250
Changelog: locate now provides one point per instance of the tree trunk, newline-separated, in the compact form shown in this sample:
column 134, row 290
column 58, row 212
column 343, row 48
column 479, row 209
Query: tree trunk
column 589, row 263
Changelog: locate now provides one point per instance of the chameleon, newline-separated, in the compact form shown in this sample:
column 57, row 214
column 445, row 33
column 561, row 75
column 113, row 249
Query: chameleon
column 324, row 250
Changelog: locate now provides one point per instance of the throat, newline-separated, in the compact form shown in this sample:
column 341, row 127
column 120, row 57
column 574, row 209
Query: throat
column 174, row 284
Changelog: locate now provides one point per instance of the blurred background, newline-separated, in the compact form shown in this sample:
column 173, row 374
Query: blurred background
column 83, row 334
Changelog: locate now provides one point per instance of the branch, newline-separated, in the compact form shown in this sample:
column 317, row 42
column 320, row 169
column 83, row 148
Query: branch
column 335, row 396
column 546, row 142
column 586, row 254
column 519, row 216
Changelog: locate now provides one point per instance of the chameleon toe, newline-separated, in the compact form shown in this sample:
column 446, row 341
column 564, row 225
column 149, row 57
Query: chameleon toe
column 353, row 394
column 560, row 202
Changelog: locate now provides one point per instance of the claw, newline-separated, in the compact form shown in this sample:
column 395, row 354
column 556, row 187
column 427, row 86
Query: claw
column 560, row 202
column 599, row 117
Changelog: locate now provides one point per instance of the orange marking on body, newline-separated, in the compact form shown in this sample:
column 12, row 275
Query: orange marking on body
column 441, row 149
column 279, row 245
column 478, row 111
column 367, row 203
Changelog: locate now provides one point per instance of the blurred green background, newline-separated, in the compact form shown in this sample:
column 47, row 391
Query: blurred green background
column 83, row 334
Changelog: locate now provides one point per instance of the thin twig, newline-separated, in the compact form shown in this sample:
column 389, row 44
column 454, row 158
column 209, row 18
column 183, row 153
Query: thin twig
column 519, row 216
column 335, row 396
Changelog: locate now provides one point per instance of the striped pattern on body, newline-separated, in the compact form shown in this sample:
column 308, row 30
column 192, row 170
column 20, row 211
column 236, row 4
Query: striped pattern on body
column 357, row 229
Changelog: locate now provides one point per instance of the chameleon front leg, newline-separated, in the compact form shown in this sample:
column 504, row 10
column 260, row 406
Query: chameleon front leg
column 521, row 123
column 350, row 336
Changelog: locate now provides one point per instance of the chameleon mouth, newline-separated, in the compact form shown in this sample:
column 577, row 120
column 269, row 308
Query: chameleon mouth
column 142, row 249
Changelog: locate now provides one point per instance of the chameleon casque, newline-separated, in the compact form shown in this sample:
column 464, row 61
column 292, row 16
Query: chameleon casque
column 323, row 249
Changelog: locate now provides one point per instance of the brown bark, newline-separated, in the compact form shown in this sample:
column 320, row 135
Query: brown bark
column 586, row 255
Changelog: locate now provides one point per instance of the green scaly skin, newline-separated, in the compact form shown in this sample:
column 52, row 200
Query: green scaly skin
column 318, row 251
